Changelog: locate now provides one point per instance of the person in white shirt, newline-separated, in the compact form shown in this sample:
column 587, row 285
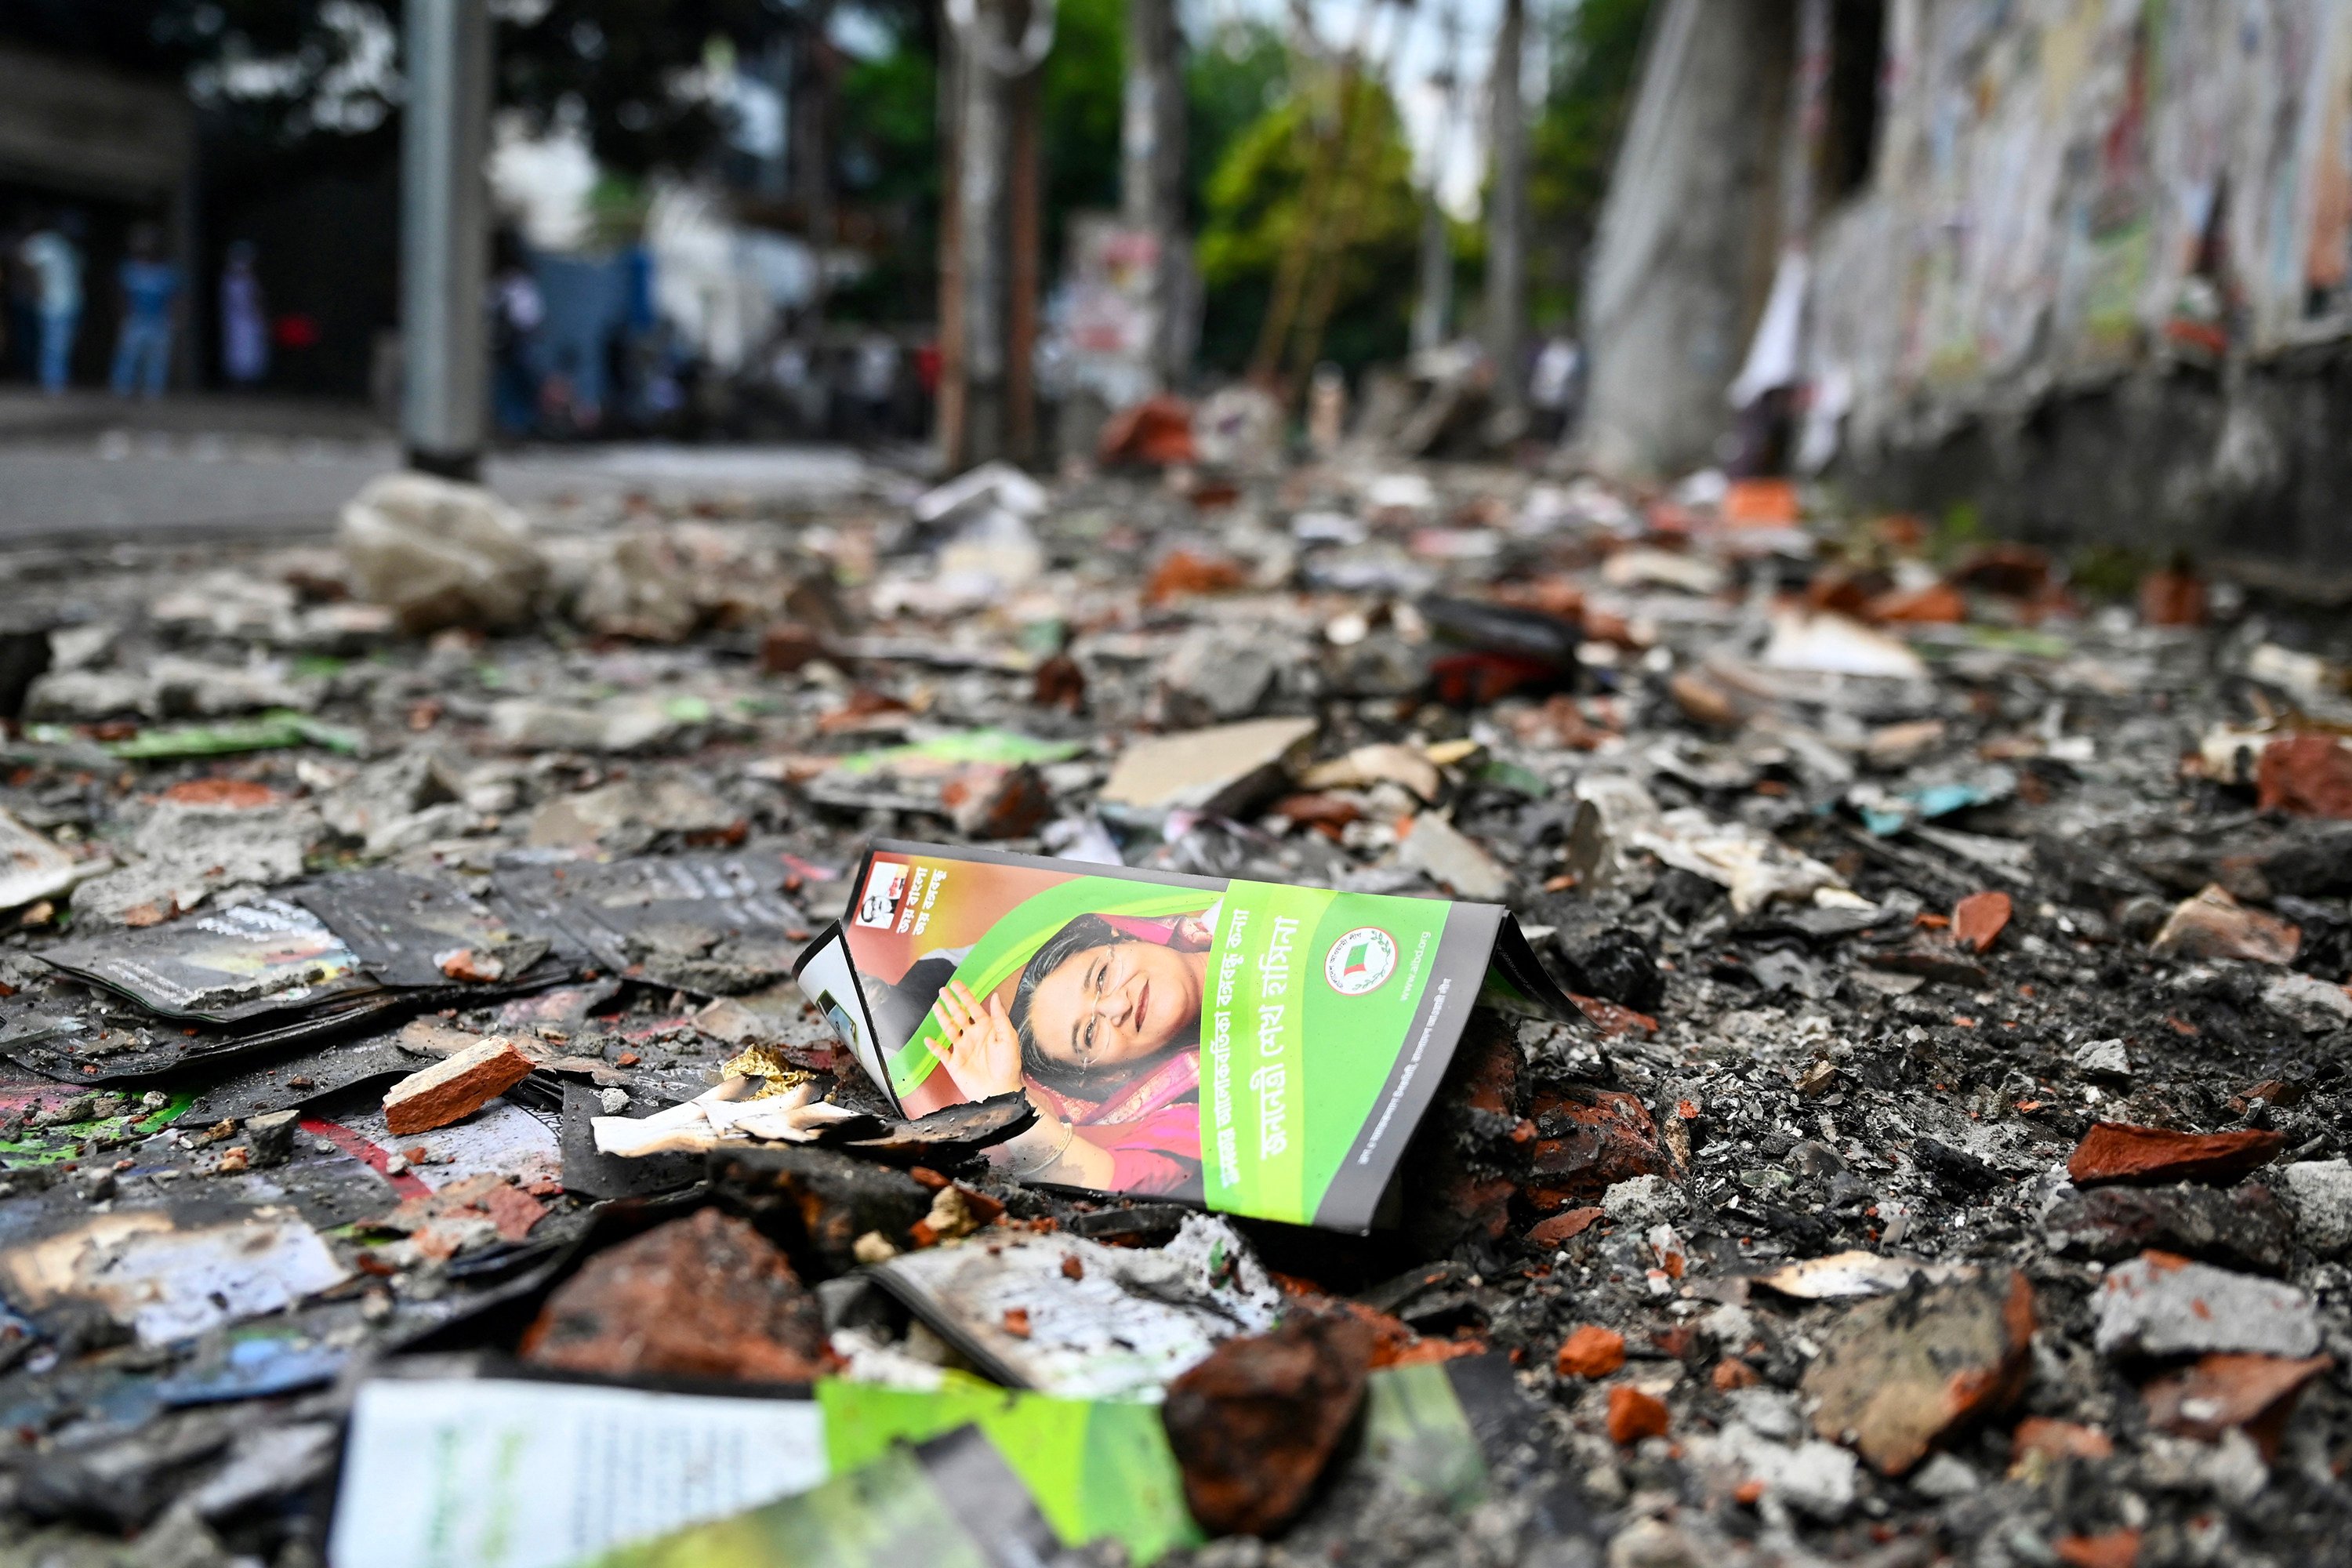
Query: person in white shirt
column 54, row 262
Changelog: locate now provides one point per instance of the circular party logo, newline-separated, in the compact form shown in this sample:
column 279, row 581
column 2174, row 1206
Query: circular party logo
column 1359, row 961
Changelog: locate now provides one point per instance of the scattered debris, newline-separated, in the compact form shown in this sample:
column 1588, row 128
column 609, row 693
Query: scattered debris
column 1904, row 1371
column 382, row 1005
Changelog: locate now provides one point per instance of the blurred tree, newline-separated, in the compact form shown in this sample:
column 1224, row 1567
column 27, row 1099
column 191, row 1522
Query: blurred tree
column 1230, row 81
column 280, row 73
column 1254, row 206
column 1596, row 50
column 889, row 165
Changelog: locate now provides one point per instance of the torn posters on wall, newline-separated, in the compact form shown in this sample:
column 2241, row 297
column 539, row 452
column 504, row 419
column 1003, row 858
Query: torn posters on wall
column 1263, row 1050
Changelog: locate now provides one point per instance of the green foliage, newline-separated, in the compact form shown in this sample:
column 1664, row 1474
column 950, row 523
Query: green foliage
column 889, row 149
column 1231, row 80
column 1256, row 202
column 1082, row 96
column 888, row 161
column 1596, row 49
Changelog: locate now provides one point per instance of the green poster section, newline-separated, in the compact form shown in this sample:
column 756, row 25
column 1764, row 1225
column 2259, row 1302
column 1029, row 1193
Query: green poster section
column 886, row 1515
column 1094, row 1471
column 1311, row 998
column 1418, row 1438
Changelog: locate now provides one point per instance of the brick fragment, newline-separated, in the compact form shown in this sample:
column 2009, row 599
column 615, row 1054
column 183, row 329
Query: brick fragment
column 705, row 1296
column 1633, row 1415
column 1254, row 1426
column 2119, row 1152
column 1979, row 918
column 1591, row 1352
column 2213, row 924
column 454, row 1087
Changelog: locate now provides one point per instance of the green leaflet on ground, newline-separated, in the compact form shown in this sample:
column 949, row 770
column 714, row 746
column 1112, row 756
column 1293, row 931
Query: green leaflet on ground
column 1093, row 1471
column 54, row 1145
column 268, row 731
column 1418, row 1438
column 1005, row 748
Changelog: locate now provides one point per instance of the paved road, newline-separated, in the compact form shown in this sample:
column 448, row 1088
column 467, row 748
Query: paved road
column 204, row 467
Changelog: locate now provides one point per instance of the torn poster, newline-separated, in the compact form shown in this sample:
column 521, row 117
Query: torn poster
column 1262, row 1050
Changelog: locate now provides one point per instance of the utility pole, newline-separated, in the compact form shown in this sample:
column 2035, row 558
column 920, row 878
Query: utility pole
column 809, row 140
column 445, row 237
column 989, row 247
column 1151, row 174
column 1432, row 307
column 1506, row 229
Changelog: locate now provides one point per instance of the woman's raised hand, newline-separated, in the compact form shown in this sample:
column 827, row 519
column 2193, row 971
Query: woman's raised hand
column 979, row 1047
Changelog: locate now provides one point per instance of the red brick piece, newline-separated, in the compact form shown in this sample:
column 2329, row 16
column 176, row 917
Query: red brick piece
column 454, row 1087
column 1633, row 1415
column 2255, row 1392
column 1254, row 1424
column 1977, row 919
column 2058, row 1440
column 1591, row 1352
column 2147, row 1156
column 1594, row 1139
column 705, row 1296
column 2307, row 775
column 2115, row 1549
column 1561, row 1227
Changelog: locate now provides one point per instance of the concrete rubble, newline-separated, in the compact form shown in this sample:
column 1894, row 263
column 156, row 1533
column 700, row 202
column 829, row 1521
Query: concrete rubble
column 1950, row 1162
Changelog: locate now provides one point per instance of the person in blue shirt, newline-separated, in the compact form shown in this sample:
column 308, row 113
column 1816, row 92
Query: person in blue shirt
column 151, row 292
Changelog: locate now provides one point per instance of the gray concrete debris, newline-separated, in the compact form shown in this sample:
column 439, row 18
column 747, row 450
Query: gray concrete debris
column 2159, row 1305
column 2321, row 1193
column 439, row 553
column 2104, row 1059
column 1440, row 851
column 2311, row 1004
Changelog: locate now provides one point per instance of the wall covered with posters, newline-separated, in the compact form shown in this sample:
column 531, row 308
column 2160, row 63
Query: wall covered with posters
column 2063, row 190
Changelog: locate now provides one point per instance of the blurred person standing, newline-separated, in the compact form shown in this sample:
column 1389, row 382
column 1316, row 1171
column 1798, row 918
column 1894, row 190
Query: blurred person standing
column 53, row 258
column 245, row 319
column 1555, row 386
column 517, row 310
column 151, row 293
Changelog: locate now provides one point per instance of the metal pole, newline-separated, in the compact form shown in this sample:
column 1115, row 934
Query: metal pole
column 445, row 235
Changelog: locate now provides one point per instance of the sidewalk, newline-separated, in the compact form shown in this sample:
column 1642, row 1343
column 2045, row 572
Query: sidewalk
column 88, row 465
column 28, row 416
